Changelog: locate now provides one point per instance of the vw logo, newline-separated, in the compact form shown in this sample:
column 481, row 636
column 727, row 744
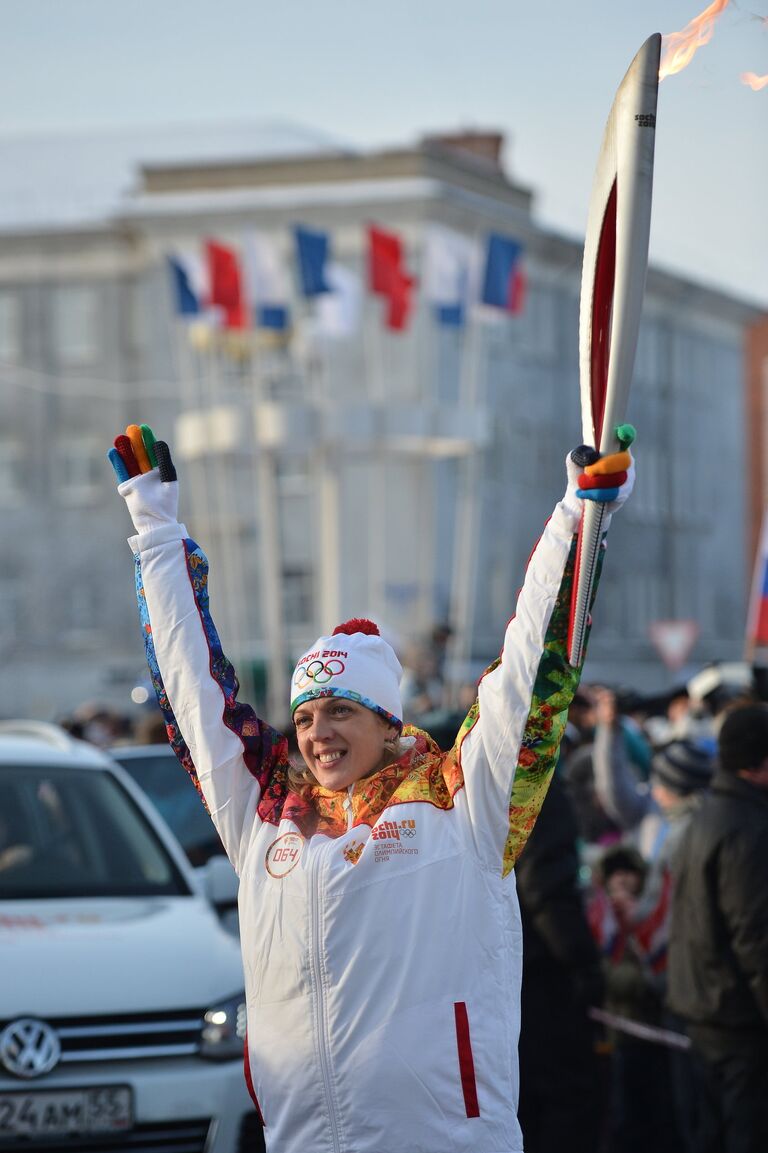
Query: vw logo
column 29, row 1048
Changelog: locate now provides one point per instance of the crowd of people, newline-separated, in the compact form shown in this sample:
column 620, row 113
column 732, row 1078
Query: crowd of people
column 596, row 857
column 655, row 1019
column 633, row 1035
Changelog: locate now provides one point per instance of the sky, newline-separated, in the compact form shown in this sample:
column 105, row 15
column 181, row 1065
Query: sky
column 373, row 75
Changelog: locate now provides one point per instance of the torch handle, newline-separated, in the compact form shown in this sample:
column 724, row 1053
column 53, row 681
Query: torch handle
column 591, row 532
column 590, row 538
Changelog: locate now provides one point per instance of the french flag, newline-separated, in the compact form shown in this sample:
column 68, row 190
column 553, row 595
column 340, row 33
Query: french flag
column 190, row 282
column 226, row 285
column 313, row 253
column 266, row 279
column 388, row 276
column 337, row 313
column 504, row 280
column 452, row 268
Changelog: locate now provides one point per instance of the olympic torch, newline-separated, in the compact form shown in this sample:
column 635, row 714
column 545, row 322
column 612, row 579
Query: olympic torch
column 612, row 288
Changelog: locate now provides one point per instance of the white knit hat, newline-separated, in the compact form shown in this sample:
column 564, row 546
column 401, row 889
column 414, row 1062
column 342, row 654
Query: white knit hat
column 354, row 662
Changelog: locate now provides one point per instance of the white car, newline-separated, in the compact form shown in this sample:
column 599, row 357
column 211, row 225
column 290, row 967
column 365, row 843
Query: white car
column 158, row 773
column 121, row 996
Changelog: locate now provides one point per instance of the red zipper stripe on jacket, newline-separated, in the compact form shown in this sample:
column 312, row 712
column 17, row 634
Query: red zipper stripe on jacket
column 466, row 1061
column 249, row 1081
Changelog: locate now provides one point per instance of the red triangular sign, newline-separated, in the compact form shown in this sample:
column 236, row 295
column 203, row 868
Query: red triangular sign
column 674, row 641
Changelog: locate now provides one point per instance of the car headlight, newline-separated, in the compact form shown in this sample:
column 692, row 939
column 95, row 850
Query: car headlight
column 223, row 1032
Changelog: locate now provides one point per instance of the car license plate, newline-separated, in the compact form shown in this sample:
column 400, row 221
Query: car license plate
column 103, row 1109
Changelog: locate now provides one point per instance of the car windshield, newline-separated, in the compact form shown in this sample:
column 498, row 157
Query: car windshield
column 176, row 799
column 77, row 833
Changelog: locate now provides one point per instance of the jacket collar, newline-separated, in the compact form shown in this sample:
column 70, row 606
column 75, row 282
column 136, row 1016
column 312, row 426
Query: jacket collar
column 735, row 786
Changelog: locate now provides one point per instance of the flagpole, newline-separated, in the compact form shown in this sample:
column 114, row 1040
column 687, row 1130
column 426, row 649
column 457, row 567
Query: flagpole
column 466, row 527
column 333, row 460
column 241, row 616
column 188, row 367
column 232, row 542
column 378, row 525
column 266, row 286
column 327, row 463
column 425, row 467
column 272, row 598
column 220, row 503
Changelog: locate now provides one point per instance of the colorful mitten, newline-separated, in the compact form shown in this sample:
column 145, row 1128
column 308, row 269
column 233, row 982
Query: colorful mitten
column 608, row 479
column 146, row 477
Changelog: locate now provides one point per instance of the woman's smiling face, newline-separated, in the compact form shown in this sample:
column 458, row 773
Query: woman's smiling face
column 340, row 741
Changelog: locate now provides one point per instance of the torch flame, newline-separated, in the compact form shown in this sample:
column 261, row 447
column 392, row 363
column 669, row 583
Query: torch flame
column 754, row 81
column 681, row 47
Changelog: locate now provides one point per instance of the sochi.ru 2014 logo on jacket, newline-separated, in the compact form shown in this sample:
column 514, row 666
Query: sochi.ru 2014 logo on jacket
column 393, row 830
column 392, row 839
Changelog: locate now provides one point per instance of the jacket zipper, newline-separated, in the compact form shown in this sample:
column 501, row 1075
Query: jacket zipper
column 349, row 806
column 318, row 983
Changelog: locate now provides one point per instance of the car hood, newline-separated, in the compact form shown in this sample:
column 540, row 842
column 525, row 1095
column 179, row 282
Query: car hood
column 82, row 957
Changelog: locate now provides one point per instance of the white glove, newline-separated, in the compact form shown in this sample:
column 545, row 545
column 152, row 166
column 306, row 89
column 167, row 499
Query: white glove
column 151, row 502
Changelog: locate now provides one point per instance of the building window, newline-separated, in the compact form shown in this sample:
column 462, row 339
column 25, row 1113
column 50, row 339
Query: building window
column 81, row 614
column 80, row 469
column 648, row 357
column 137, row 321
column 11, row 471
column 10, row 328
column 298, row 590
column 76, row 324
column 537, row 325
column 11, row 616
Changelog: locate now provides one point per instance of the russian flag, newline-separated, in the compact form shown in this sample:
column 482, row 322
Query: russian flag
column 504, row 280
column 266, row 281
column 312, row 249
column 452, row 267
column 757, row 623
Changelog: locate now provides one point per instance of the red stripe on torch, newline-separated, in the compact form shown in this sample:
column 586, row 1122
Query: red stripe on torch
column 602, row 309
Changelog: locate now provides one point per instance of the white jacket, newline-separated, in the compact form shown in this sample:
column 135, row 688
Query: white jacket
column 380, row 930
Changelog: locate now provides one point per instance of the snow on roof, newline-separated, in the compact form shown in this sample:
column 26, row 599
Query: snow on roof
column 82, row 178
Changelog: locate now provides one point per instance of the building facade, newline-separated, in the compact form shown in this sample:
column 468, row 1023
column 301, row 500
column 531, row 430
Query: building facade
column 402, row 475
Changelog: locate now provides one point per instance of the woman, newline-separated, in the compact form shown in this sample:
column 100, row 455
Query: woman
column 379, row 923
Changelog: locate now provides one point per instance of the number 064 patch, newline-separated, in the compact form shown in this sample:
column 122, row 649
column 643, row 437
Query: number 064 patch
column 284, row 854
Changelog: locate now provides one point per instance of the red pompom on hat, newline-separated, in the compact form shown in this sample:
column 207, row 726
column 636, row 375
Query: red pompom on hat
column 357, row 625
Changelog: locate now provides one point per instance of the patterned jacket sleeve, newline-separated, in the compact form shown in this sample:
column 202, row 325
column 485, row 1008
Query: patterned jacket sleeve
column 236, row 761
column 510, row 742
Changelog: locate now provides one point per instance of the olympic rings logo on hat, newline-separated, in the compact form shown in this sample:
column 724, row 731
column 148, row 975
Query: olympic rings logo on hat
column 318, row 673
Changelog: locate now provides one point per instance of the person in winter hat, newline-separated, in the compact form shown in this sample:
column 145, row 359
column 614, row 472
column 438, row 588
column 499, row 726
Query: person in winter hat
column 718, row 952
column 379, row 924
column 655, row 815
column 649, row 811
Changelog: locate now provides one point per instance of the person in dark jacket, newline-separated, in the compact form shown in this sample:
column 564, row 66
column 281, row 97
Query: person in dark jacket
column 718, row 950
column 560, row 1105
